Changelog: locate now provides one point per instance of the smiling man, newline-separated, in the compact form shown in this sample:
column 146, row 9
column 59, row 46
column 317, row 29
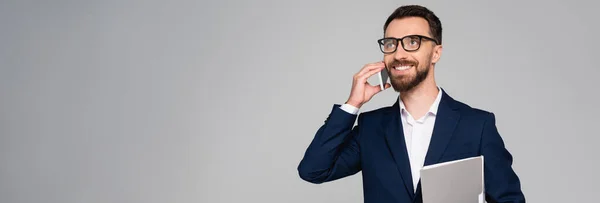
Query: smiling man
column 424, row 126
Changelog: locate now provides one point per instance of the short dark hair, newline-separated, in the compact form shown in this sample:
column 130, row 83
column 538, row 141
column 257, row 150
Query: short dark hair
column 435, row 26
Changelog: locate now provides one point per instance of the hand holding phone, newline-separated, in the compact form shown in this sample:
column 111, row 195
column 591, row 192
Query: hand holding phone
column 362, row 91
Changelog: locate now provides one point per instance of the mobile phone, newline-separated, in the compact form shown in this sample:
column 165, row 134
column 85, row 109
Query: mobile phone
column 383, row 78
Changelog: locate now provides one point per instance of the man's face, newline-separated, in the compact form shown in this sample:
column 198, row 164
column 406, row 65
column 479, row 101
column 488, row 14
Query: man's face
column 409, row 69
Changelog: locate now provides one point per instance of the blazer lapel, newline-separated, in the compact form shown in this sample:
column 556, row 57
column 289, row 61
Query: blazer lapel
column 394, row 136
column 445, row 123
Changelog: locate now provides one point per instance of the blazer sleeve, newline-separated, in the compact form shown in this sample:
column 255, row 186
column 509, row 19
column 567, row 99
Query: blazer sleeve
column 334, row 152
column 501, row 182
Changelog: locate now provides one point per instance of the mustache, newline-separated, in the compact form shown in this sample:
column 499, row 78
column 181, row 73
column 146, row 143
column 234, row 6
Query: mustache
column 403, row 62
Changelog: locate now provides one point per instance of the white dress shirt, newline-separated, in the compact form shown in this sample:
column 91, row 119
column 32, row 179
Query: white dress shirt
column 417, row 134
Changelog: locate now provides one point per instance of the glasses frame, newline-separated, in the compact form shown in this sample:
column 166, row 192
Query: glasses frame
column 401, row 40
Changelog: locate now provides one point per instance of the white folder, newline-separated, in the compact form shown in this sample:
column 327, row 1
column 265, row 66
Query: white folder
column 459, row 181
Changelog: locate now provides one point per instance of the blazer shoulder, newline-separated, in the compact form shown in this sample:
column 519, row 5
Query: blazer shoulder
column 375, row 114
column 470, row 111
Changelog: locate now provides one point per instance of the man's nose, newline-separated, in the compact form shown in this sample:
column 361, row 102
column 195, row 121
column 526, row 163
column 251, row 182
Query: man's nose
column 400, row 54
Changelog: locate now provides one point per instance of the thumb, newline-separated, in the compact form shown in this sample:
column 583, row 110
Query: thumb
column 374, row 89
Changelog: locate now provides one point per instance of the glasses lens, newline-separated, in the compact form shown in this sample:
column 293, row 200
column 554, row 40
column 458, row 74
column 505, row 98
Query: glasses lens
column 411, row 42
column 388, row 45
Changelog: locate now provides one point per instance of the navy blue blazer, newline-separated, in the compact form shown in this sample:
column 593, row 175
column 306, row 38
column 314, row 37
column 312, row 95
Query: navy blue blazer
column 376, row 147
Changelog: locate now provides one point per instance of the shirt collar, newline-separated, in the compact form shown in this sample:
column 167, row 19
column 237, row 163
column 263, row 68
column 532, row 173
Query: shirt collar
column 432, row 109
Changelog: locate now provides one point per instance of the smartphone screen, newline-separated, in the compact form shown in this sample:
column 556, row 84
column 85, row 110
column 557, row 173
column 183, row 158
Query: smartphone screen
column 383, row 78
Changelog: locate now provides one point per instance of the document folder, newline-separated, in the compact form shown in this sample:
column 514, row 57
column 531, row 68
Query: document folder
column 459, row 181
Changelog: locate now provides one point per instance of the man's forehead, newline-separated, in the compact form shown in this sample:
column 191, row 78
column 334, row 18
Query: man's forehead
column 407, row 26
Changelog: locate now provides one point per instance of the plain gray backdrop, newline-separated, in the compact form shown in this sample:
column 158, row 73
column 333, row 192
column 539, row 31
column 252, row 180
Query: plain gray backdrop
column 216, row 101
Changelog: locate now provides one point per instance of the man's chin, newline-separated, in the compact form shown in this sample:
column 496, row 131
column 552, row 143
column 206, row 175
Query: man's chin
column 401, row 87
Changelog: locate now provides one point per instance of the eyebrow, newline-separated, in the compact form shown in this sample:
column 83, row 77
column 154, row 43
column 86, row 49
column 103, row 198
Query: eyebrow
column 406, row 36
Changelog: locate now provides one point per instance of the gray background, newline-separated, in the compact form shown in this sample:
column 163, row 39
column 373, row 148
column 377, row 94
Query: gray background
column 193, row 101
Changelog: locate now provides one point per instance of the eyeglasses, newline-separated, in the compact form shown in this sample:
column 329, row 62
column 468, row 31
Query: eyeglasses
column 409, row 43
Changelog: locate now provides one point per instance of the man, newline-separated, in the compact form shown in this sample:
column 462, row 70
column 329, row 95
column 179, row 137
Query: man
column 424, row 126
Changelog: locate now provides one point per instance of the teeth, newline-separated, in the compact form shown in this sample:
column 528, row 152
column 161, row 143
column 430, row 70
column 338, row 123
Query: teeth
column 402, row 67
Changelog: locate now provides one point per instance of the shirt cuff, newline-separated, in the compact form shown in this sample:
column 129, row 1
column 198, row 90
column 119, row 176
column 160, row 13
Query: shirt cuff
column 349, row 108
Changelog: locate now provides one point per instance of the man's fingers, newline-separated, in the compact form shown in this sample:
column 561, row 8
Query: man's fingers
column 369, row 67
column 365, row 76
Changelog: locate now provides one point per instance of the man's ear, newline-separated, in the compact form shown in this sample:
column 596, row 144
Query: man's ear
column 437, row 54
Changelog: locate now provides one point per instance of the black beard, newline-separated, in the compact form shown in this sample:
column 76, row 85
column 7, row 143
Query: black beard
column 400, row 86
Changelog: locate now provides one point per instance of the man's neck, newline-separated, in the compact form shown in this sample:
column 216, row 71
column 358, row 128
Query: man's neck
column 419, row 99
